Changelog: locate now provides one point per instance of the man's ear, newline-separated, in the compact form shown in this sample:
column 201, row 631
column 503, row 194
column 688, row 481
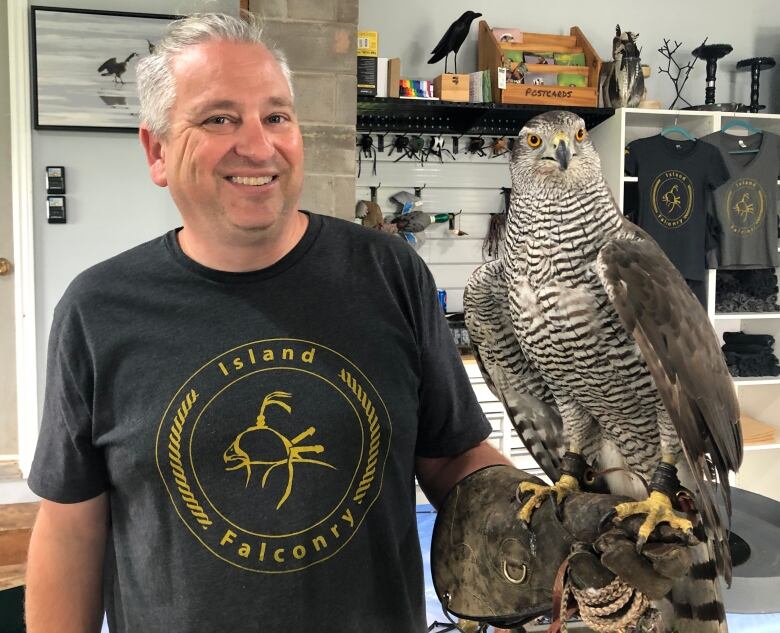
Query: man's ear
column 154, row 155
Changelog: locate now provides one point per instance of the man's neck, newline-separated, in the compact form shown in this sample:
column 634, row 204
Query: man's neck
column 242, row 255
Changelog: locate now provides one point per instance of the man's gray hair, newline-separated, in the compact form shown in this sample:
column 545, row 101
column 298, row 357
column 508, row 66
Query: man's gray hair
column 156, row 83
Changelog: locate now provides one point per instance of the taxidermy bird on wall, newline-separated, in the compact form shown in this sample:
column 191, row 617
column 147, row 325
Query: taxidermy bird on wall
column 115, row 68
column 453, row 39
column 624, row 82
column 595, row 346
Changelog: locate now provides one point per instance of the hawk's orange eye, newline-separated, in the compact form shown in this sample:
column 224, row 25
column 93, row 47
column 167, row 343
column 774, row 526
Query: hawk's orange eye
column 534, row 141
column 580, row 134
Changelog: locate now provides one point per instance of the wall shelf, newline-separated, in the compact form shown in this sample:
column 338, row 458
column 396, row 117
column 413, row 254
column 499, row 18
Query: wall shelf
column 744, row 316
column 758, row 381
column 384, row 114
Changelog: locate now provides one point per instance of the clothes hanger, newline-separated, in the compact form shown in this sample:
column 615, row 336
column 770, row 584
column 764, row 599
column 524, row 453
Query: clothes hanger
column 744, row 151
column 743, row 124
column 679, row 130
column 740, row 123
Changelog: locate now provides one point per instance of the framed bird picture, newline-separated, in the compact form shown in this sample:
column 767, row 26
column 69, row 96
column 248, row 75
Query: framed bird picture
column 83, row 66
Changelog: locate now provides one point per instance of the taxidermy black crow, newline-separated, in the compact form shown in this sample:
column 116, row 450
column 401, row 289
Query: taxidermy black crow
column 453, row 38
column 113, row 67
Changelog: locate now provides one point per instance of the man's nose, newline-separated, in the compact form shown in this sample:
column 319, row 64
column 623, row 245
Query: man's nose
column 254, row 141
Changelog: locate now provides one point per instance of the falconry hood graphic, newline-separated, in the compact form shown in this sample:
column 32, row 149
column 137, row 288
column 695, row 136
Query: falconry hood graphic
column 273, row 454
column 746, row 206
column 672, row 198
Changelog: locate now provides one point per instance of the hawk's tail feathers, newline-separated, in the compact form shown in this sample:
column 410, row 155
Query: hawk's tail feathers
column 695, row 603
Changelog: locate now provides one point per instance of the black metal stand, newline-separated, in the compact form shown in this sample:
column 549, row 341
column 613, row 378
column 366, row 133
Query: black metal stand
column 756, row 65
column 712, row 53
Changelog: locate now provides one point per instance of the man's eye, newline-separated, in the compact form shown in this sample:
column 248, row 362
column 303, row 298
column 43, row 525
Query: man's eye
column 276, row 118
column 217, row 120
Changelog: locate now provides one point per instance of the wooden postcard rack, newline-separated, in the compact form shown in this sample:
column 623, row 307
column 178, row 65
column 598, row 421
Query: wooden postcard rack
column 489, row 52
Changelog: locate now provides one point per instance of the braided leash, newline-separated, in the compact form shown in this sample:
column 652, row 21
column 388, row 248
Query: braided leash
column 598, row 608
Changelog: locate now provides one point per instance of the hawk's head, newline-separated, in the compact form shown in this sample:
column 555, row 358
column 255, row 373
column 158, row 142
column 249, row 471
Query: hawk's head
column 554, row 149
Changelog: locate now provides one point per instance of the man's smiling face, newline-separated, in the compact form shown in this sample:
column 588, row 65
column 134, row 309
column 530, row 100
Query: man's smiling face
column 233, row 154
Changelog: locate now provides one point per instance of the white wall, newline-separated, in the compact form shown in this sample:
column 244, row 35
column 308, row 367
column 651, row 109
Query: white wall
column 409, row 29
column 112, row 204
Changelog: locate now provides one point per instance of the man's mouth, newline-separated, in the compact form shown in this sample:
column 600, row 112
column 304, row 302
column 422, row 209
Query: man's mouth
column 255, row 181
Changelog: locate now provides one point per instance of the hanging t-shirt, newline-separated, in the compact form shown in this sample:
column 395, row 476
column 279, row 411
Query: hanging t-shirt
column 747, row 205
column 675, row 178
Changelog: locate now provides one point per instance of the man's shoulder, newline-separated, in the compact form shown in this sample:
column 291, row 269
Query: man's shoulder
column 127, row 266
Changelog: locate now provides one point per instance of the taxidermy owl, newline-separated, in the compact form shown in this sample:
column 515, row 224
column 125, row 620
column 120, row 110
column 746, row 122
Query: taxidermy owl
column 624, row 83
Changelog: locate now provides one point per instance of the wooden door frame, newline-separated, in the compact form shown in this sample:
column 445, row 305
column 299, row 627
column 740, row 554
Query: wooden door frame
column 23, row 238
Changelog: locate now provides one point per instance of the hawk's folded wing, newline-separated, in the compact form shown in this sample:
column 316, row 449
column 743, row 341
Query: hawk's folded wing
column 507, row 372
column 682, row 352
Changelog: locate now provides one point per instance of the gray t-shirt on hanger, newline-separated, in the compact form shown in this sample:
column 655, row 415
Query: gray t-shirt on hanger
column 747, row 204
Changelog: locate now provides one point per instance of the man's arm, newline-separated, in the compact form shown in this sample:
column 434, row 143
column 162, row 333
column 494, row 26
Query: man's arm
column 438, row 475
column 65, row 567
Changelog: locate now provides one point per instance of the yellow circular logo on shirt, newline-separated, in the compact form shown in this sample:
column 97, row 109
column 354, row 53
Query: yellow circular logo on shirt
column 745, row 206
column 273, row 453
column 671, row 198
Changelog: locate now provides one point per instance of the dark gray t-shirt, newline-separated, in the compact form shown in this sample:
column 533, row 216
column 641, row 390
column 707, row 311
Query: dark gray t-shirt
column 256, row 432
column 747, row 204
column 675, row 180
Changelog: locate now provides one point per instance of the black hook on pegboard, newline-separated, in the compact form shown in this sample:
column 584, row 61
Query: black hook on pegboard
column 380, row 141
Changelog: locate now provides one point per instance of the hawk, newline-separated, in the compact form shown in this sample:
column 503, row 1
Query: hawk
column 602, row 356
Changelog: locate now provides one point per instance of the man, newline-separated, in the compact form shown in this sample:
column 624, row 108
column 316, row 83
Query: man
column 234, row 412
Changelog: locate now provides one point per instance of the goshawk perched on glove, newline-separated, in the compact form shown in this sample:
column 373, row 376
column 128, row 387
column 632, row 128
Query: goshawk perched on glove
column 601, row 354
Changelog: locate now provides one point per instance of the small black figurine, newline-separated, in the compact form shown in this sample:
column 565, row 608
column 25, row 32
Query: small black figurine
column 453, row 38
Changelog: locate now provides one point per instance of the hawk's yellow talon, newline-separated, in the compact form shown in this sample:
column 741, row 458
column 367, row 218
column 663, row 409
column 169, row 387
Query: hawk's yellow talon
column 468, row 626
column 562, row 489
column 658, row 508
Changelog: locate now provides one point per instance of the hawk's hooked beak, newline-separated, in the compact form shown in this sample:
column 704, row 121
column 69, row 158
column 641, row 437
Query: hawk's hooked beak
column 562, row 149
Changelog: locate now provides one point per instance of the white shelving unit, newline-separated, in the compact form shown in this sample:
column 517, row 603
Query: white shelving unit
column 759, row 398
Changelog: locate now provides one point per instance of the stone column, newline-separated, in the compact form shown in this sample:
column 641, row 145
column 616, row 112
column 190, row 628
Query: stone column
column 319, row 39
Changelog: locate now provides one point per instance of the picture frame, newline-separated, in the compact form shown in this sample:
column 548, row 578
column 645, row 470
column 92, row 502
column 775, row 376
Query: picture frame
column 83, row 66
